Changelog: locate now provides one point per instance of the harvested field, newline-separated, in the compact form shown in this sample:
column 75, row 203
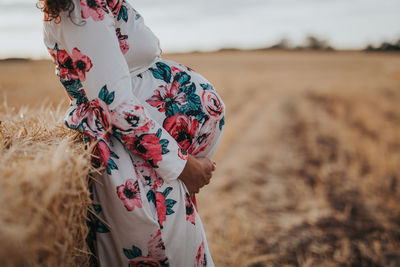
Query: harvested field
column 308, row 173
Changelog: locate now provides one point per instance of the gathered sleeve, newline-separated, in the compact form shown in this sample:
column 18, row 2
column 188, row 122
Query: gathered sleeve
column 91, row 66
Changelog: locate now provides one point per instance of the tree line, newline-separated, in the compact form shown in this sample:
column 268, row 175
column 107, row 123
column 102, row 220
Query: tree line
column 385, row 47
column 314, row 43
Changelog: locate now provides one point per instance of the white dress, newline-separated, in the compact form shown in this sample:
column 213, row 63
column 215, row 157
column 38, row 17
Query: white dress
column 144, row 115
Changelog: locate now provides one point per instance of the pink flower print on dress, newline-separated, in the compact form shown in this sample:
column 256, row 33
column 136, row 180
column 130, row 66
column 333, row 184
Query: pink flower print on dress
column 205, row 135
column 182, row 128
column 102, row 151
column 102, row 114
column 71, row 68
column 164, row 205
column 81, row 63
column 156, row 256
column 156, row 246
column 147, row 146
column 134, row 119
column 175, row 84
column 175, row 70
column 165, row 98
column 94, row 9
column 190, row 214
column 145, row 170
column 96, row 116
column 161, row 208
column 123, row 44
column 201, row 260
column 130, row 194
column 182, row 153
column 158, row 182
column 148, row 173
column 115, row 6
column 65, row 66
column 64, row 59
column 212, row 104
column 79, row 114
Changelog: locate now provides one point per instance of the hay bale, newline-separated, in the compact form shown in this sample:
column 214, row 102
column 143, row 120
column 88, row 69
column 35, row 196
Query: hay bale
column 44, row 197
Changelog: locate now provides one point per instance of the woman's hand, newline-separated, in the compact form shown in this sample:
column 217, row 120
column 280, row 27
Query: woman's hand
column 197, row 173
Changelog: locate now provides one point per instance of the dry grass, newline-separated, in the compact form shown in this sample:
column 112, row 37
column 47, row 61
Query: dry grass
column 43, row 190
column 308, row 170
column 349, row 145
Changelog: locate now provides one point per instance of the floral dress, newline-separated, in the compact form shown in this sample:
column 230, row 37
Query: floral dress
column 143, row 115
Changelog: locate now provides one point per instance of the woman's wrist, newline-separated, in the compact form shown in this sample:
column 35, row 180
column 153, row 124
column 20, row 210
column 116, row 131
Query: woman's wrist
column 186, row 169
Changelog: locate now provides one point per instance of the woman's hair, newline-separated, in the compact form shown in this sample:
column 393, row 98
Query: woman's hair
column 53, row 8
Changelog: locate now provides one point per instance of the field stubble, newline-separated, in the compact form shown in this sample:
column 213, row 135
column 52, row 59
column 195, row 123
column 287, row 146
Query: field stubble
column 308, row 170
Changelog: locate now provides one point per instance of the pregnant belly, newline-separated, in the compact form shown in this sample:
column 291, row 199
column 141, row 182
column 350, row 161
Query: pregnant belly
column 184, row 103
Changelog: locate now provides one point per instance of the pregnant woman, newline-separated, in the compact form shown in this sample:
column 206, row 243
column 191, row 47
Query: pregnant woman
column 153, row 124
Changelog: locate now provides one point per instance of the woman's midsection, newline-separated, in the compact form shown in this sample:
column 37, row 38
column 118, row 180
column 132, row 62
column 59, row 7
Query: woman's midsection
column 184, row 103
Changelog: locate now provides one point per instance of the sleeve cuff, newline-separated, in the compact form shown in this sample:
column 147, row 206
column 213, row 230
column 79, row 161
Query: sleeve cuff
column 169, row 173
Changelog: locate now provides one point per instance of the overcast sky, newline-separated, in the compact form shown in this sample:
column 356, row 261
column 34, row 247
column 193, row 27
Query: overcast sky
column 187, row 25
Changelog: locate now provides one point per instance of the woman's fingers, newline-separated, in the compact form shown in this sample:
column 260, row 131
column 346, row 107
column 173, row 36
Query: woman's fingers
column 214, row 166
column 197, row 173
column 210, row 164
column 194, row 189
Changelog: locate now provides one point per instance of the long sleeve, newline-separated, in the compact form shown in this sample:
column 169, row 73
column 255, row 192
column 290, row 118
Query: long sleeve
column 93, row 70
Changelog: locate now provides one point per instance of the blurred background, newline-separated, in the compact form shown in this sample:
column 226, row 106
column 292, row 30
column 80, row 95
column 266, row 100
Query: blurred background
column 309, row 168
